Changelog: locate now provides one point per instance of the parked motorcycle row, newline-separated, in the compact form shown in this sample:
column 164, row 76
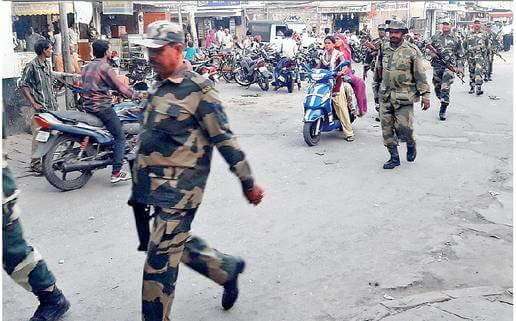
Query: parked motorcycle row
column 73, row 144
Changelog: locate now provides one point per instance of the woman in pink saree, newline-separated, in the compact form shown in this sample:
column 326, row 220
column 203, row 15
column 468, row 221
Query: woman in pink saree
column 356, row 82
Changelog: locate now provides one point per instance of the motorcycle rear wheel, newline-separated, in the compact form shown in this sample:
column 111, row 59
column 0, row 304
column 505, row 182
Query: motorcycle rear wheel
column 51, row 165
column 241, row 79
column 311, row 137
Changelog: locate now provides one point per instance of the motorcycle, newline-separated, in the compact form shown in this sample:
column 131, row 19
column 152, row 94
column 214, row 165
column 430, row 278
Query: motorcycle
column 72, row 144
column 318, row 105
column 139, row 70
column 250, row 71
column 287, row 74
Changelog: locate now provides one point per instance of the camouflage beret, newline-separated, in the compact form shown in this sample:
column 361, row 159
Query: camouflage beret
column 160, row 33
column 397, row 25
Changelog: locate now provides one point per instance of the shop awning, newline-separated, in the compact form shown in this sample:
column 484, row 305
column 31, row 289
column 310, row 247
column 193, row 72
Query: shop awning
column 501, row 14
column 38, row 8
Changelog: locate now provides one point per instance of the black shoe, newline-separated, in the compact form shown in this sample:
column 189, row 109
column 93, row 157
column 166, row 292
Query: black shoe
column 486, row 79
column 377, row 118
column 471, row 90
column 394, row 160
column 442, row 111
column 230, row 294
column 411, row 152
column 479, row 90
column 52, row 306
column 489, row 78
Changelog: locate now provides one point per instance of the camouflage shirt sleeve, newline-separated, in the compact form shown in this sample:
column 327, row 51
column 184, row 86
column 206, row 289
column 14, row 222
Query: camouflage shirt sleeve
column 460, row 54
column 419, row 75
column 213, row 120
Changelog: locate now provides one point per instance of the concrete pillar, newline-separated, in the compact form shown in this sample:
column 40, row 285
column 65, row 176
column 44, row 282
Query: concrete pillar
column 193, row 29
column 67, row 60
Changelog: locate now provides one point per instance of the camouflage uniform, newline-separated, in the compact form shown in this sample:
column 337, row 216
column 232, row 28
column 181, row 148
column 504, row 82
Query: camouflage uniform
column 379, row 43
column 21, row 261
column 184, row 119
column 450, row 49
column 493, row 48
column 476, row 48
column 403, row 80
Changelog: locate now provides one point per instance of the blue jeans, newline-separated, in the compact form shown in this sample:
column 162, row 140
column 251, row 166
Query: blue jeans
column 114, row 126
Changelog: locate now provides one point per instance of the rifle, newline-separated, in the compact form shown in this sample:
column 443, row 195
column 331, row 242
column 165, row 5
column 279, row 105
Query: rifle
column 498, row 54
column 446, row 64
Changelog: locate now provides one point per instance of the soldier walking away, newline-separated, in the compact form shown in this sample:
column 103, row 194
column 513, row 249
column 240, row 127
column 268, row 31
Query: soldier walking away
column 400, row 68
column 23, row 262
column 493, row 49
column 376, row 48
column 450, row 54
column 476, row 47
column 184, row 119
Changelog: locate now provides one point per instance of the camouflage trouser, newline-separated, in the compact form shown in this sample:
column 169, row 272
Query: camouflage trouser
column 21, row 261
column 397, row 122
column 171, row 243
column 476, row 67
column 376, row 91
column 442, row 79
column 489, row 69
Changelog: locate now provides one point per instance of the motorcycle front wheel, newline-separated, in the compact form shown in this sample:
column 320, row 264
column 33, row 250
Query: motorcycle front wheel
column 263, row 83
column 65, row 149
column 310, row 133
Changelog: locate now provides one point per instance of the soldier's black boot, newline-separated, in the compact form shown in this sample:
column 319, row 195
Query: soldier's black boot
column 442, row 111
column 411, row 152
column 479, row 90
column 471, row 89
column 490, row 78
column 230, row 294
column 394, row 160
column 52, row 306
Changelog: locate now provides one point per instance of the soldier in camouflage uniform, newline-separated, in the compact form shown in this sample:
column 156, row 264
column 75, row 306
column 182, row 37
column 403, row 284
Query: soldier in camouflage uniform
column 449, row 47
column 184, row 119
column 493, row 48
column 374, row 47
column 476, row 48
column 400, row 68
column 23, row 262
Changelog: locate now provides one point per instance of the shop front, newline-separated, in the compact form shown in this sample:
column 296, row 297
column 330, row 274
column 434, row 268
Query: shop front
column 346, row 17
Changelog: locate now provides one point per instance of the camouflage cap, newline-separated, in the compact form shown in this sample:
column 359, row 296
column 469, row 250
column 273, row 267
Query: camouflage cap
column 397, row 25
column 382, row 26
column 446, row 20
column 160, row 33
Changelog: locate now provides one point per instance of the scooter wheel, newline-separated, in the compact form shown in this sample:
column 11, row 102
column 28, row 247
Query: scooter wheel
column 309, row 133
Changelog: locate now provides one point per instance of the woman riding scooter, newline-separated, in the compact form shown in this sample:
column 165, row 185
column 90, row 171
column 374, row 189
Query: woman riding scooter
column 343, row 103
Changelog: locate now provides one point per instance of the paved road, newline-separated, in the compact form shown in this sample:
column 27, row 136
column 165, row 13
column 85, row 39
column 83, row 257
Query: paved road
column 336, row 234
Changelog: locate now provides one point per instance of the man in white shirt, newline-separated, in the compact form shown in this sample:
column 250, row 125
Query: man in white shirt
column 219, row 36
column 289, row 46
column 227, row 39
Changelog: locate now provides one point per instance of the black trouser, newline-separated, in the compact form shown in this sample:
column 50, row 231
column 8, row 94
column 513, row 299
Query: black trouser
column 114, row 126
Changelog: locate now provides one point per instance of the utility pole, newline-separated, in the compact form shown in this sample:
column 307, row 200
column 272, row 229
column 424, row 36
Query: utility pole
column 67, row 61
column 193, row 29
column 179, row 16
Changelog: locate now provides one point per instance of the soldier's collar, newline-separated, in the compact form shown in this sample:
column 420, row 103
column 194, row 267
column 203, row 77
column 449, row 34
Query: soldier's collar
column 179, row 75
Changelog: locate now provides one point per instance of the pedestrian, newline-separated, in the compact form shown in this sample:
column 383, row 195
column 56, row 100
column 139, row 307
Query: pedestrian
column 210, row 39
column 184, row 120
column 476, row 47
column 227, row 40
column 74, row 47
column 403, row 81
column 219, row 36
column 507, row 36
column 190, row 52
column 450, row 49
column 30, row 39
column 21, row 261
column 57, row 52
column 98, row 80
column 36, row 86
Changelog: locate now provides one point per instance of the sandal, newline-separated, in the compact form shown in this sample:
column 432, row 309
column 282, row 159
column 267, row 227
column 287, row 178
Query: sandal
column 350, row 138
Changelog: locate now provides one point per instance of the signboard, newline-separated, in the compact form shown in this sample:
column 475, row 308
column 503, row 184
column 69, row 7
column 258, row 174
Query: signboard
column 218, row 3
column 117, row 7
column 345, row 9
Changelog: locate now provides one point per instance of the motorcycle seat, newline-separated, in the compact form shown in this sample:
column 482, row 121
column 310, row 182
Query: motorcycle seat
column 78, row 116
